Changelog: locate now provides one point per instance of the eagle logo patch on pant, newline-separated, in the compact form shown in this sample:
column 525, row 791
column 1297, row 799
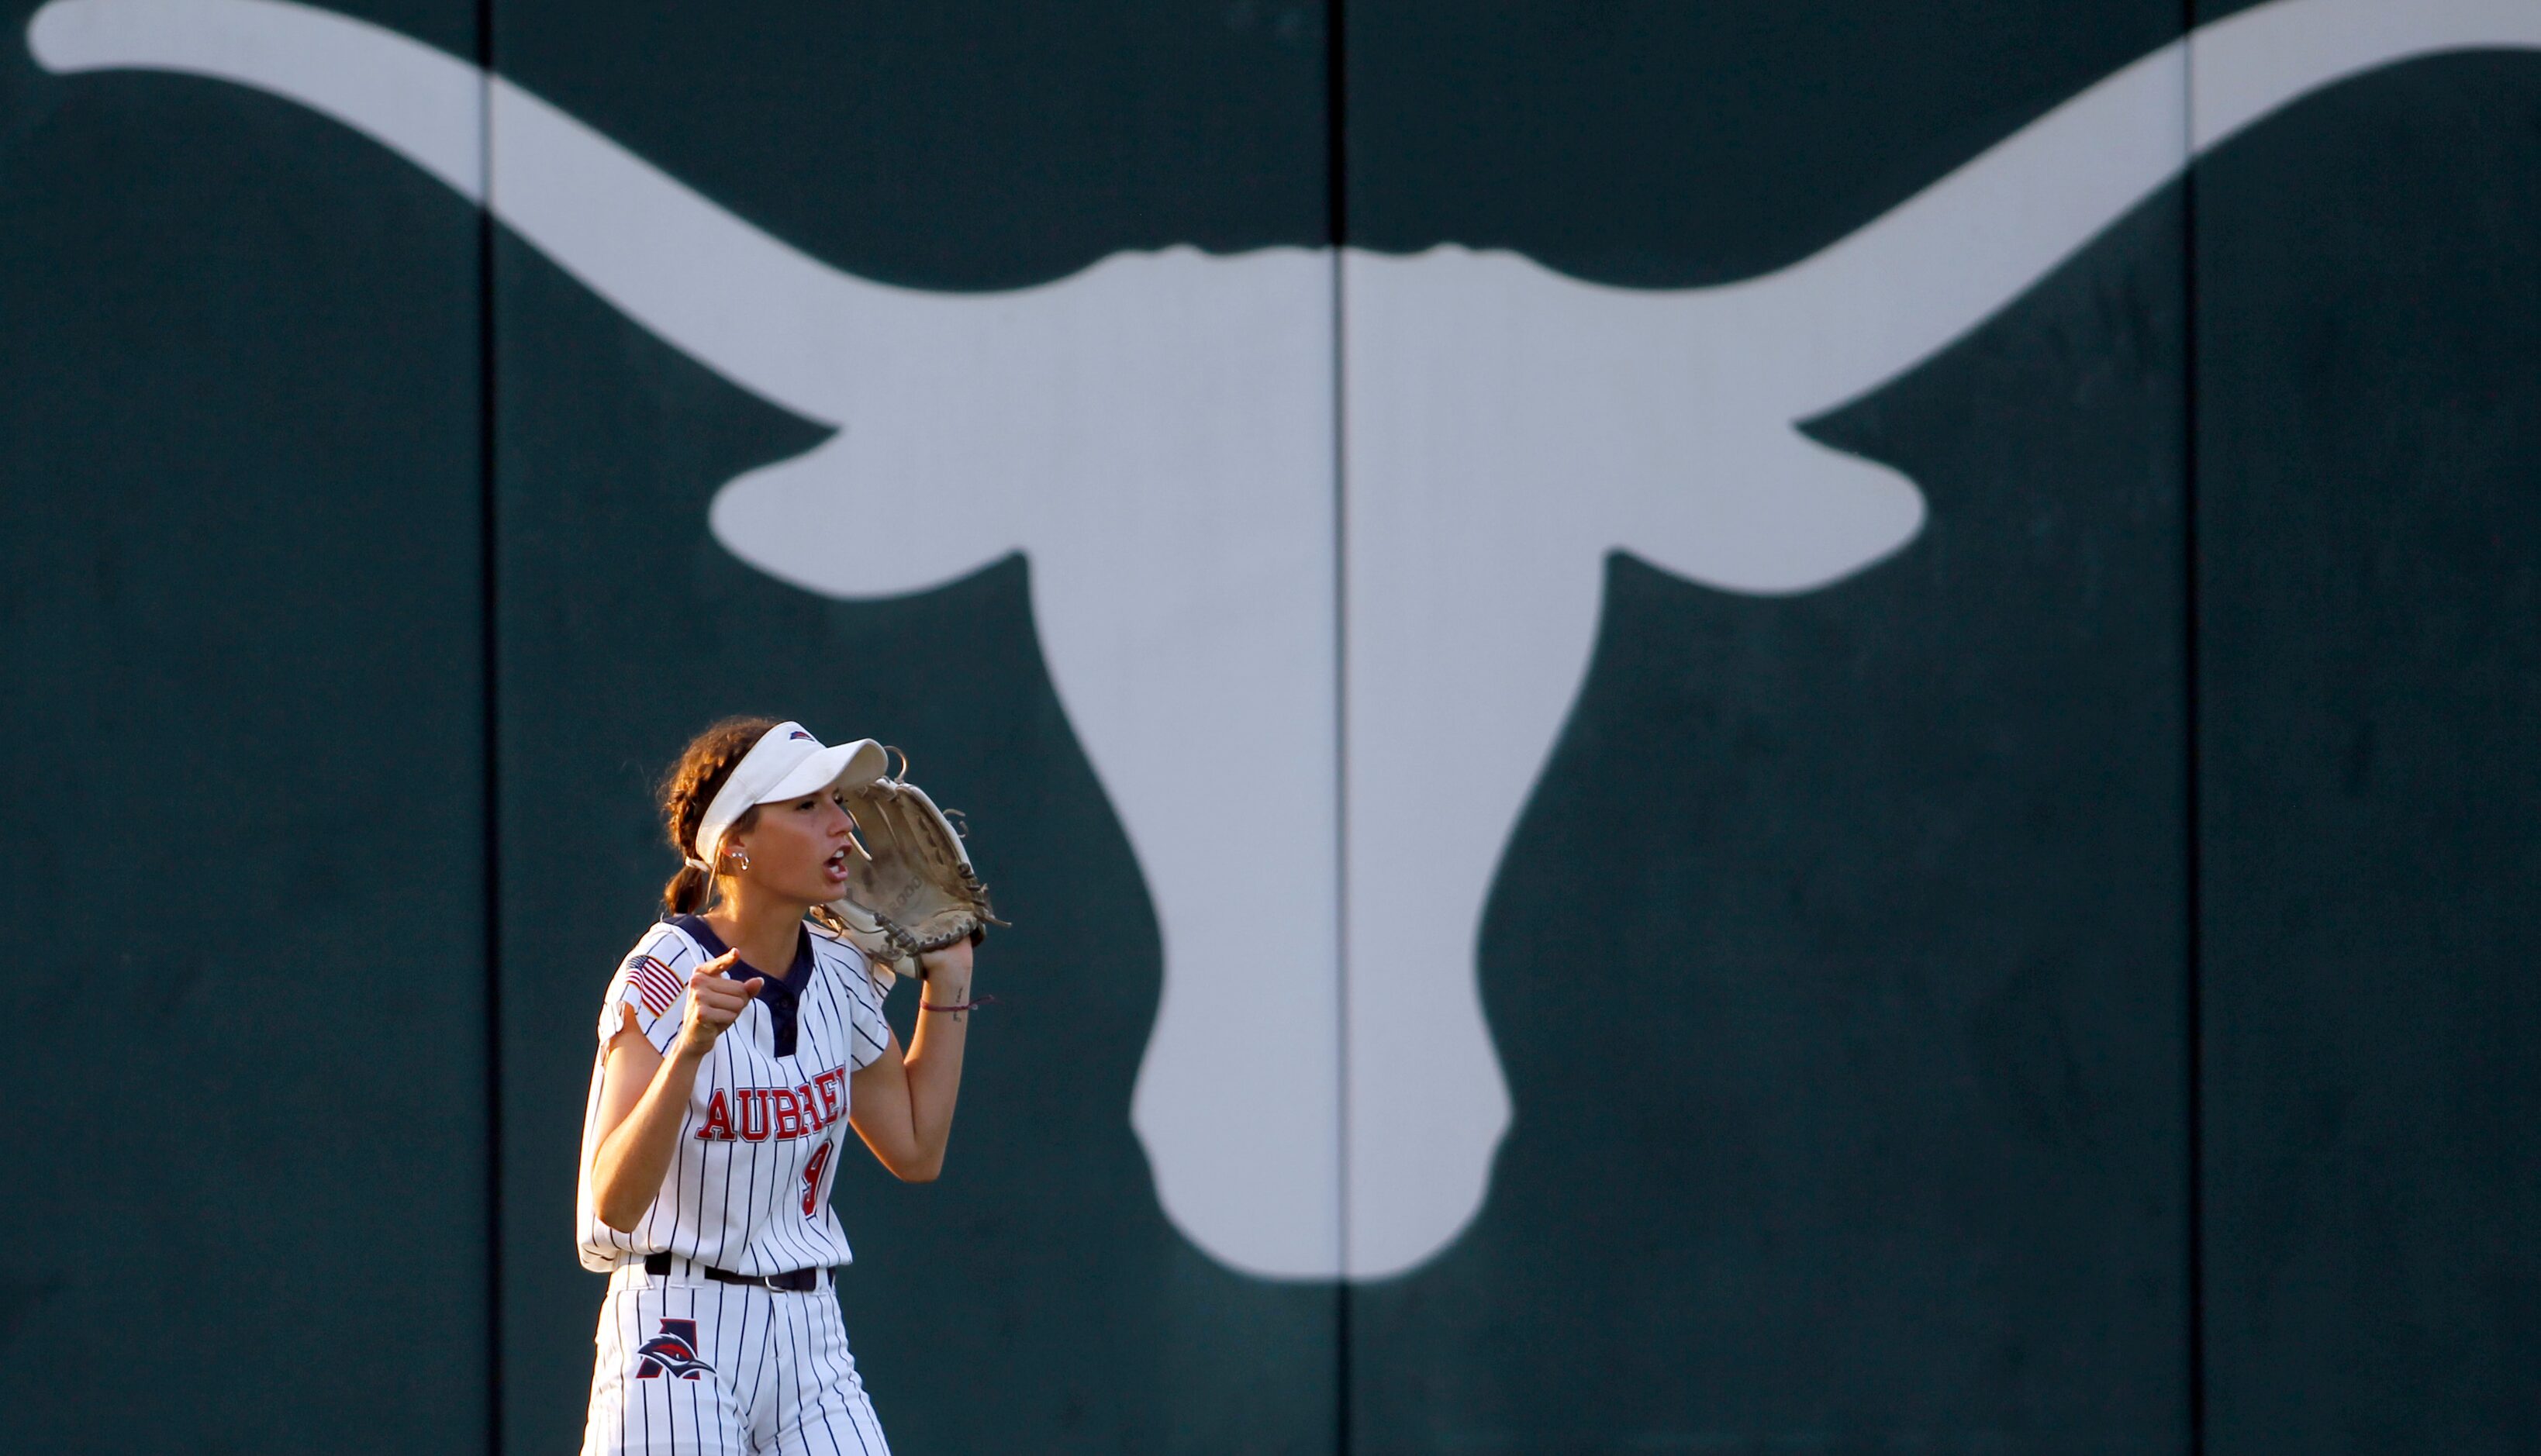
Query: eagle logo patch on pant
column 674, row 1351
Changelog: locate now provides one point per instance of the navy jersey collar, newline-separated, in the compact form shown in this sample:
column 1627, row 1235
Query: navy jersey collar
column 795, row 974
column 780, row 994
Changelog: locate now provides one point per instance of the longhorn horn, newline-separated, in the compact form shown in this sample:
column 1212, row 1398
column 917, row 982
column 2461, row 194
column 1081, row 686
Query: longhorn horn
column 1945, row 259
column 749, row 307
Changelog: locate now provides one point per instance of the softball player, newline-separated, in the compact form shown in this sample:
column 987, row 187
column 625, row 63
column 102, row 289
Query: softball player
column 736, row 1044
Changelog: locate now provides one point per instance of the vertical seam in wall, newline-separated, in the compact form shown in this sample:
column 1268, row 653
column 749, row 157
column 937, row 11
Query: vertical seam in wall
column 490, row 731
column 1337, row 210
column 2190, row 732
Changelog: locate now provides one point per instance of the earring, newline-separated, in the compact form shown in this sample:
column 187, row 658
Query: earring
column 740, row 861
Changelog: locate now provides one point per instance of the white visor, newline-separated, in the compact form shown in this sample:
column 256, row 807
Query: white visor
column 787, row 763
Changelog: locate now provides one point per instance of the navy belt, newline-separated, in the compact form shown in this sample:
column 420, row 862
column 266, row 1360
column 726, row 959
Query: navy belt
column 792, row 1282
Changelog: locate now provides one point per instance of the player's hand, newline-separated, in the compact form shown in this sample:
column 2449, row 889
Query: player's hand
column 715, row 1002
column 948, row 970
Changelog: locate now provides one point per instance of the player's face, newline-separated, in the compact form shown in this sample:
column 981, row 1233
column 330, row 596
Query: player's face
column 800, row 848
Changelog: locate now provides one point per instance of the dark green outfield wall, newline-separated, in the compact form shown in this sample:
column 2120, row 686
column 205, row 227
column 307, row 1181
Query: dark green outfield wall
column 241, row 568
column 2068, row 989
column 2369, row 634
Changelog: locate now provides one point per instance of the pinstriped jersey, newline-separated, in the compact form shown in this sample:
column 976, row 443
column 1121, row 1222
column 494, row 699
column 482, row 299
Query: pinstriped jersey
column 751, row 1170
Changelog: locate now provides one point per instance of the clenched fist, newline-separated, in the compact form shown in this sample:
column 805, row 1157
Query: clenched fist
column 715, row 1002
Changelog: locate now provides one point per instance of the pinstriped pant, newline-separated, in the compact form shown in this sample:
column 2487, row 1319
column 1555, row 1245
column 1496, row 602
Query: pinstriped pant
column 689, row 1366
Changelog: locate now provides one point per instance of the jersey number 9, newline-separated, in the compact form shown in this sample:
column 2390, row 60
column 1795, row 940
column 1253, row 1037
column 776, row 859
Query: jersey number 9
column 812, row 1179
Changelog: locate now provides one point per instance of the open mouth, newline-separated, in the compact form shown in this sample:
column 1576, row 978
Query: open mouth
column 836, row 866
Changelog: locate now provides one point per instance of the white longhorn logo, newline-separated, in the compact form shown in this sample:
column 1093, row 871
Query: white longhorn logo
column 1157, row 434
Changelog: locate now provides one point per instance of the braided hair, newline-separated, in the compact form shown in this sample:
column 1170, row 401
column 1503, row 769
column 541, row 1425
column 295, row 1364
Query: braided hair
column 692, row 784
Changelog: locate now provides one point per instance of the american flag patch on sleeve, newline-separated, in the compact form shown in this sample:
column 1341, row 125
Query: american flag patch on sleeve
column 658, row 985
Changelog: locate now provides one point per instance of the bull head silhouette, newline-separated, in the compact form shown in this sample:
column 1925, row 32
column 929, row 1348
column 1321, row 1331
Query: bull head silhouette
column 1157, row 433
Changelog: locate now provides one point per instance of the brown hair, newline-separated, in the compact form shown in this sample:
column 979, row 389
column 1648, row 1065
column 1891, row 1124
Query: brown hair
column 692, row 784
